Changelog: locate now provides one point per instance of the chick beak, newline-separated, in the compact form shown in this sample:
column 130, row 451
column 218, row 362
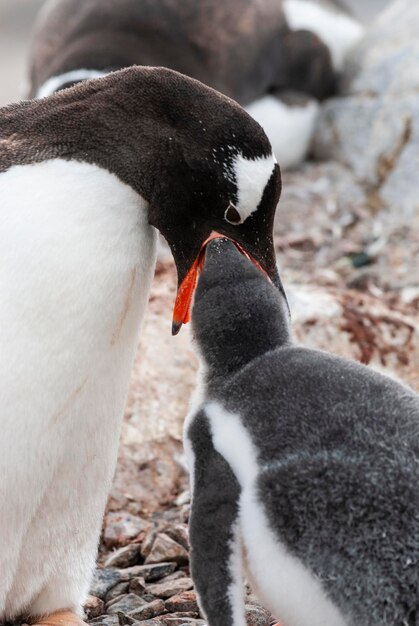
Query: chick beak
column 186, row 290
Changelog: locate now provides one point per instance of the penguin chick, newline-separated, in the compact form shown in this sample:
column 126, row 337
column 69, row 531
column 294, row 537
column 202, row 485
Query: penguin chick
column 304, row 467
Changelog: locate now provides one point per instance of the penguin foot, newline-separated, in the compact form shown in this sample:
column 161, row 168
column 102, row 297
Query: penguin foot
column 60, row 618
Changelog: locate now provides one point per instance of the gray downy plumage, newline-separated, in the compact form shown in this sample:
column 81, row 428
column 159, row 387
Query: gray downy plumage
column 336, row 447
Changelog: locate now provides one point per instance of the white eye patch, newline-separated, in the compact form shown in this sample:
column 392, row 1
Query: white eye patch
column 252, row 176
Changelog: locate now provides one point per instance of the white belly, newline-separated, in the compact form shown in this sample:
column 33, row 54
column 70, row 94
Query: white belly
column 289, row 128
column 281, row 581
column 77, row 259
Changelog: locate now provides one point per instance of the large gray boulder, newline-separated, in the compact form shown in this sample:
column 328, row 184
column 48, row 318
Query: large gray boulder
column 374, row 128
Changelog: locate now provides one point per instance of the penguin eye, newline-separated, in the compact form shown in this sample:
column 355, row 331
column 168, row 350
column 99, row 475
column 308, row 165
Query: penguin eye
column 232, row 216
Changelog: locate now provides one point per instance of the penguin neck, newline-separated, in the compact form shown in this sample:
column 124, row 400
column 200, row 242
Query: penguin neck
column 239, row 343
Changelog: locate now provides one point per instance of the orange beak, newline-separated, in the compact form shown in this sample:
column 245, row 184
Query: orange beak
column 183, row 303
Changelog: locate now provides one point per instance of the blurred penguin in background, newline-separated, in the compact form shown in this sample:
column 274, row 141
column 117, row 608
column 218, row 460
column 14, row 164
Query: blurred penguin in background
column 277, row 58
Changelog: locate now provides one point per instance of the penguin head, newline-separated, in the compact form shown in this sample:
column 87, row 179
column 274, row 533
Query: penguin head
column 215, row 172
column 237, row 313
column 309, row 65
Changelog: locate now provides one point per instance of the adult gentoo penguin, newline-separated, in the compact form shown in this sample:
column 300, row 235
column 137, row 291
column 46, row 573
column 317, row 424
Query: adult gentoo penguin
column 243, row 48
column 87, row 177
column 304, row 467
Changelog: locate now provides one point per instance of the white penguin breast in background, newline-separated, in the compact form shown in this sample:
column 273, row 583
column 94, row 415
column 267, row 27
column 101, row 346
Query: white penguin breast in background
column 339, row 31
column 288, row 128
column 77, row 260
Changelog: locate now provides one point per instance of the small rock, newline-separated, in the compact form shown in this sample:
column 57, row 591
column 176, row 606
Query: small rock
column 179, row 533
column 183, row 498
column 185, row 601
column 125, row 620
column 169, row 588
column 184, row 614
column 257, row 615
column 171, row 619
column 193, row 614
column 180, row 573
column 106, row 620
column 103, row 581
column 150, row 573
column 148, row 597
column 152, row 609
column 115, row 599
column 121, row 528
column 184, row 513
column 119, row 590
column 94, row 607
column 155, row 572
column 148, row 622
column 124, row 557
column 131, row 572
column 174, row 576
column 166, row 549
column 125, row 604
column 147, row 542
column 137, row 586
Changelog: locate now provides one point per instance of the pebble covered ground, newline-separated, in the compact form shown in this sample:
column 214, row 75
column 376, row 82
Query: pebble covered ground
column 143, row 574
